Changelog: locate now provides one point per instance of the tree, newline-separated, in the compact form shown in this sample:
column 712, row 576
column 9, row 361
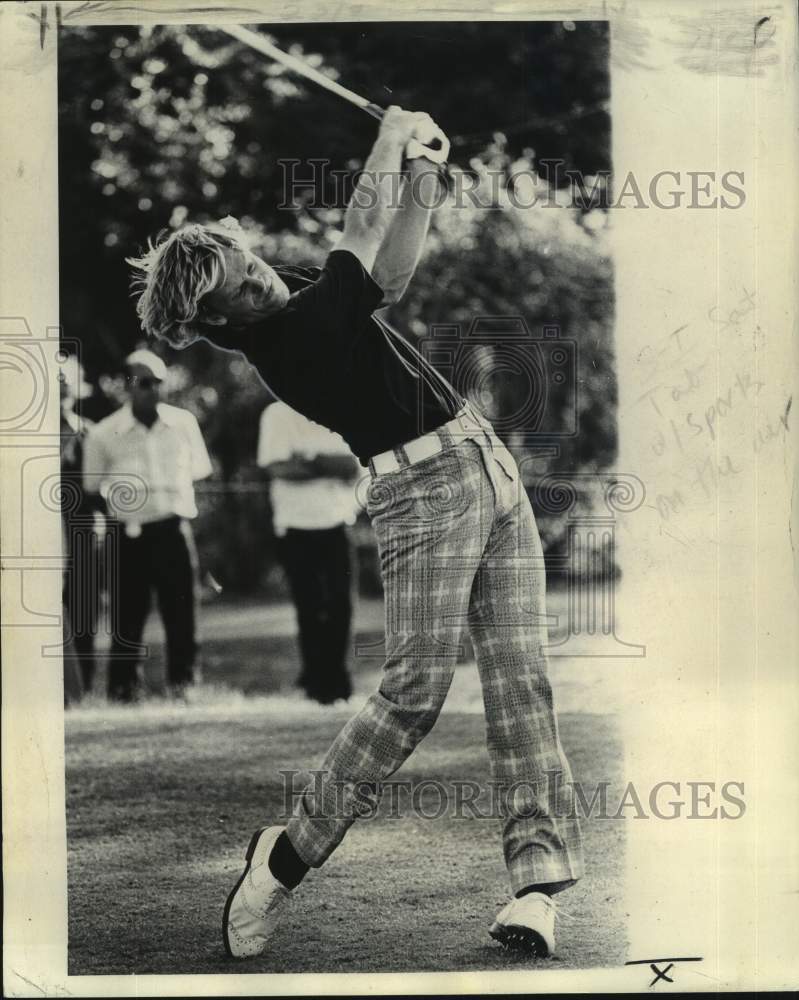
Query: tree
column 160, row 125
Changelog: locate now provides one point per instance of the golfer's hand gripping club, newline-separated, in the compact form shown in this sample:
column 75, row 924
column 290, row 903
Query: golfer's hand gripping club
column 423, row 137
column 431, row 143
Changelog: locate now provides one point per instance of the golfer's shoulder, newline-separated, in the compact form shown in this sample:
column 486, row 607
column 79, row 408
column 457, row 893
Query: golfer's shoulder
column 298, row 276
column 346, row 259
column 348, row 272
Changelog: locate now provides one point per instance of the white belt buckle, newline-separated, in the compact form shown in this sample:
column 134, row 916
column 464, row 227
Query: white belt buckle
column 423, row 447
column 384, row 462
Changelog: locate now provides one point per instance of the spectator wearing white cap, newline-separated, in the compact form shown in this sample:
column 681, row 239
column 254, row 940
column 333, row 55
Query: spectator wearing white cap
column 144, row 459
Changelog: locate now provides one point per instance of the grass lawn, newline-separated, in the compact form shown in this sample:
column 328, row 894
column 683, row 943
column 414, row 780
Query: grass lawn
column 162, row 799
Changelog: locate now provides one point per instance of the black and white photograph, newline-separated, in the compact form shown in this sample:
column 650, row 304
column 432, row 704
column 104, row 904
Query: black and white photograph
column 398, row 498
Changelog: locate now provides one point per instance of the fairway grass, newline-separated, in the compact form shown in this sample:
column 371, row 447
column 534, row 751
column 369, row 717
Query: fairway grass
column 162, row 799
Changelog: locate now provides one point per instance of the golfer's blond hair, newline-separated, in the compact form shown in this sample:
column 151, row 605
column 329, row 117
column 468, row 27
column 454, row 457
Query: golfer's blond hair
column 175, row 273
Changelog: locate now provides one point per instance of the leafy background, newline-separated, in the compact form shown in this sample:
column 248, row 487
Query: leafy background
column 161, row 125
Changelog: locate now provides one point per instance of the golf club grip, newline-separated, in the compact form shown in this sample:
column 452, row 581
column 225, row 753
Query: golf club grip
column 379, row 113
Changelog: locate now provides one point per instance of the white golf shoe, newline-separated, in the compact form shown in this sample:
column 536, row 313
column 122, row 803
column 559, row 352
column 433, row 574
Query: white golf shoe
column 254, row 907
column 527, row 924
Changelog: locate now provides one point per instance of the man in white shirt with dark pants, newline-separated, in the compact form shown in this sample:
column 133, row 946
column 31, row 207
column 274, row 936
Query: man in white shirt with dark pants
column 312, row 473
column 144, row 459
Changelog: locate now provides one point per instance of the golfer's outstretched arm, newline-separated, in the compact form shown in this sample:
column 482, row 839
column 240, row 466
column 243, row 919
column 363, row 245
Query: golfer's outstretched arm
column 376, row 198
column 400, row 251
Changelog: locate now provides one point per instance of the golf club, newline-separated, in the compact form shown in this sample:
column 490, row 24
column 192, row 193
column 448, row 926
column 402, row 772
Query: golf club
column 438, row 149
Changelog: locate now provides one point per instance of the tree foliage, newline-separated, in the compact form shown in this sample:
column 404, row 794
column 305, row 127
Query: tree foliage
column 166, row 124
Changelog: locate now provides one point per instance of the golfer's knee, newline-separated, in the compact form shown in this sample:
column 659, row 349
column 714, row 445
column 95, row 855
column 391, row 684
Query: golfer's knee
column 413, row 713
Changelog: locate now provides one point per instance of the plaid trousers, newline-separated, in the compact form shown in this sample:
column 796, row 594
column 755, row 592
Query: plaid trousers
column 459, row 548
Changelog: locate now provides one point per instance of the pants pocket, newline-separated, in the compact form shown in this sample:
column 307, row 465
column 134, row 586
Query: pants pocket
column 506, row 461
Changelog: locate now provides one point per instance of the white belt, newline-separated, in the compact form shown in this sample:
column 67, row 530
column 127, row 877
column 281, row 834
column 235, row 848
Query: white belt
column 465, row 424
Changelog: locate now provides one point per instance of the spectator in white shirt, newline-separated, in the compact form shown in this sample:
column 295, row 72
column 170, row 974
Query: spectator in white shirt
column 144, row 460
column 313, row 502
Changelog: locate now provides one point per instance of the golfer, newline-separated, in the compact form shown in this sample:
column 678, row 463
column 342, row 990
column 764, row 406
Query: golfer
column 457, row 540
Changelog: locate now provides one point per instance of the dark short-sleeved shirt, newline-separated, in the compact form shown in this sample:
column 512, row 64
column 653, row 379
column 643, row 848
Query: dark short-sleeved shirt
column 330, row 358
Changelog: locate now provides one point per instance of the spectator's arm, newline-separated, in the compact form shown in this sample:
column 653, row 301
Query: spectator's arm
column 336, row 466
column 295, row 469
column 95, row 503
column 96, row 465
column 274, row 444
column 201, row 466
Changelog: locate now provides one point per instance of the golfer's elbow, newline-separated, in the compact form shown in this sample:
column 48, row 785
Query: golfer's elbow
column 394, row 285
column 390, row 295
column 362, row 242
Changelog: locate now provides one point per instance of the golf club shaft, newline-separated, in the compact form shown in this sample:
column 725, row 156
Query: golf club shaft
column 260, row 44
column 436, row 150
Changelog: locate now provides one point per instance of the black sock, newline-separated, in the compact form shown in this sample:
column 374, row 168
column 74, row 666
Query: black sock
column 548, row 889
column 285, row 864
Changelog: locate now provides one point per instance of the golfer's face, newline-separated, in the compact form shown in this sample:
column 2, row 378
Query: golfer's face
column 251, row 290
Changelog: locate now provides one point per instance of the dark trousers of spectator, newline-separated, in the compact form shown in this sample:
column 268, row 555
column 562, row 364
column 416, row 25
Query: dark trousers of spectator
column 161, row 559
column 318, row 564
column 81, row 596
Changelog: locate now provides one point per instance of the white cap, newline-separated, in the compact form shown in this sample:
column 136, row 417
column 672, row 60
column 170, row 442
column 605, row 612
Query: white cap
column 146, row 359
